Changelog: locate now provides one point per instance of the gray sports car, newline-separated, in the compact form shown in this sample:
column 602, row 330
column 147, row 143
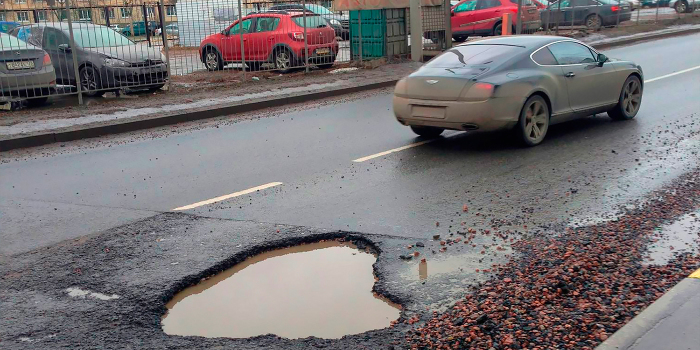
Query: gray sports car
column 525, row 83
column 25, row 70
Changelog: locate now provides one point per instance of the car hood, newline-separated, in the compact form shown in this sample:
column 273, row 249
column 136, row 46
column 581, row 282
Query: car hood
column 129, row 53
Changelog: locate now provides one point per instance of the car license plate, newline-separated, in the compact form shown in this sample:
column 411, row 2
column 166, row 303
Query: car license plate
column 323, row 51
column 428, row 112
column 20, row 65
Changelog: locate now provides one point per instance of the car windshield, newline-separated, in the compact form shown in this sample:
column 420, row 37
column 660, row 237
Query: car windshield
column 9, row 42
column 318, row 9
column 467, row 55
column 610, row 2
column 311, row 21
column 99, row 37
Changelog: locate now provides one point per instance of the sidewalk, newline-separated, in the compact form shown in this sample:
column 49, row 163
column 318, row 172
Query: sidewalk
column 672, row 322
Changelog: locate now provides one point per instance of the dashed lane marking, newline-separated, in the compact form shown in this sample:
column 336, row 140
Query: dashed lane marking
column 228, row 196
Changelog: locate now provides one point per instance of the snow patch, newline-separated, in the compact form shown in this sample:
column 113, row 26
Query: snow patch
column 80, row 293
column 343, row 70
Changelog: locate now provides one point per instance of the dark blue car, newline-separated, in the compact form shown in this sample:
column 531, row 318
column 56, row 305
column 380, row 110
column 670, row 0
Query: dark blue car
column 6, row 27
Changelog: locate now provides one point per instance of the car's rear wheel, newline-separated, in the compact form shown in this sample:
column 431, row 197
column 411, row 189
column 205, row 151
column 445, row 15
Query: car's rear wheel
column 460, row 38
column 91, row 82
column 283, row 60
column 212, row 60
column 37, row 102
column 154, row 88
column 594, row 22
column 534, row 121
column 427, row 131
column 498, row 29
column 630, row 100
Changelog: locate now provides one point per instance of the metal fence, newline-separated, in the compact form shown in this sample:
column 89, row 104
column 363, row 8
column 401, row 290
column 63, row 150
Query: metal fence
column 90, row 47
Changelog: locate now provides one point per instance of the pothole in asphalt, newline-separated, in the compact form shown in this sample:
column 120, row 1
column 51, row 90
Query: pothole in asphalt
column 681, row 236
column 322, row 289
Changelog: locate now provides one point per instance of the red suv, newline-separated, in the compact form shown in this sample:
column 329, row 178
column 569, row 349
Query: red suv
column 484, row 17
column 271, row 37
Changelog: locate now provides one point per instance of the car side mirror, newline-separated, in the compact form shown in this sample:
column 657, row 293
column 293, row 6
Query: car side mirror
column 453, row 13
column 602, row 59
column 64, row 48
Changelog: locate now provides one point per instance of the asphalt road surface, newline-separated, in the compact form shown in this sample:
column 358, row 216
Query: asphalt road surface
column 311, row 168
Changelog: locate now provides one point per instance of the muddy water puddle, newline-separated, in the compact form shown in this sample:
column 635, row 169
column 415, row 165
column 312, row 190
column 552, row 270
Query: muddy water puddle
column 680, row 236
column 322, row 289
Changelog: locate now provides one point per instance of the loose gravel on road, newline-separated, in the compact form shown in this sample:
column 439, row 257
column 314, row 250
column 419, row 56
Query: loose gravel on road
column 568, row 291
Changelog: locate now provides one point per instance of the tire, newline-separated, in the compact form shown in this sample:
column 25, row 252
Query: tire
column 37, row 102
column 681, row 7
column 283, row 60
column 630, row 100
column 460, row 38
column 594, row 22
column 534, row 121
column 212, row 60
column 427, row 131
column 91, row 82
column 498, row 29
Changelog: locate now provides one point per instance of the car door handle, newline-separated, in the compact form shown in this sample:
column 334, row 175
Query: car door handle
column 570, row 75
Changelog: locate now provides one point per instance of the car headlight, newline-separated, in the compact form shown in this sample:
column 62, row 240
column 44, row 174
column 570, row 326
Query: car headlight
column 113, row 62
column 335, row 22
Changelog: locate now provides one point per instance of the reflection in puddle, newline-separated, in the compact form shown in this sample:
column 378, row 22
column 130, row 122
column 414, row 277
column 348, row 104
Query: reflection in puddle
column 322, row 289
column 678, row 237
column 448, row 265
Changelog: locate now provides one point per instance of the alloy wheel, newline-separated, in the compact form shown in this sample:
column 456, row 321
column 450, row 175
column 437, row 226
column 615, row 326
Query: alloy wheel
column 632, row 97
column 536, row 121
column 680, row 7
column 593, row 22
column 212, row 61
column 88, row 80
column 282, row 60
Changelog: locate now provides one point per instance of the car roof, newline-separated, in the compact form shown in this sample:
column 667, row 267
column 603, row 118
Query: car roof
column 64, row 25
column 526, row 41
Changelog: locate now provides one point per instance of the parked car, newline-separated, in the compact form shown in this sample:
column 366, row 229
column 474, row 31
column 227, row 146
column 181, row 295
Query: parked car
column 271, row 37
column 634, row 4
column 117, row 27
column 139, row 29
column 106, row 59
column 339, row 22
column 523, row 83
column 484, row 17
column 683, row 6
column 6, row 27
column 170, row 30
column 591, row 13
column 655, row 3
column 541, row 5
column 25, row 70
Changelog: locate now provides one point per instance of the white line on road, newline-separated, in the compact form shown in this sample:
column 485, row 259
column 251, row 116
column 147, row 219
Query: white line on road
column 225, row 197
column 672, row 74
column 398, row 149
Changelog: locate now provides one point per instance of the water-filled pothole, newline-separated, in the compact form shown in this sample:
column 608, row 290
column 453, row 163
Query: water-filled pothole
column 680, row 236
column 322, row 289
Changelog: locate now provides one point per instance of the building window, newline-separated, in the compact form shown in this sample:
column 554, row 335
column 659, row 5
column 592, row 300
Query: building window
column 21, row 1
column 111, row 13
column 149, row 11
column 62, row 15
column 170, row 11
column 125, row 12
column 85, row 15
column 23, row 16
column 2, row 15
column 41, row 15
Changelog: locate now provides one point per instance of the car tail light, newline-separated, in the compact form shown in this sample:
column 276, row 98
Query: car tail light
column 297, row 35
column 615, row 8
column 47, row 60
column 479, row 92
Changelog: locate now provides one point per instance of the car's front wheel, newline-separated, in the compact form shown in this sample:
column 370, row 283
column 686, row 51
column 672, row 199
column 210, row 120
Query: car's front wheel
column 91, row 82
column 630, row 100
column 681, row 7
column 212, row 60
column 534, row 121
column 594, row 22
column 460, row 38
column 427, row 131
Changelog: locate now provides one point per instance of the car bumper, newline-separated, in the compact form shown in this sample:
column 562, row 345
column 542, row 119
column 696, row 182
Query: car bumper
column 315, row 54
column 490, row 115
column 532, row 25
column 133, row 76
column 36, row 83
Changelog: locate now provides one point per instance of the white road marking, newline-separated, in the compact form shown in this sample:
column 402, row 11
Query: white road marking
column 225, row 197
column 398, row 149
column 81, row 293
column 672, row 74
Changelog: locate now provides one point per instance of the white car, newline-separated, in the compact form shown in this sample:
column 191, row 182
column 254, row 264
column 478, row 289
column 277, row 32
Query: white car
column 170, row 30
column 683, row 6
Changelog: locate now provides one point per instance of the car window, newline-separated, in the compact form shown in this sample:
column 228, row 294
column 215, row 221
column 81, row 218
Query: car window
column 311, row 21
column 98, row 37
column 35, row 35
column 9, row 42
column 579, row 3
column 266, row 24
column 564, row 3
column 466, row 6
column 487, row 4
column 482, row 55
column 54, row 38
column 571, row 53
column 318, row 9
column 544, row 57
column 245, row 25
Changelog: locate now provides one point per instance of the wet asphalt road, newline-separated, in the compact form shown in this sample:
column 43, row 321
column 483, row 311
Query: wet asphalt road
column 584, row 169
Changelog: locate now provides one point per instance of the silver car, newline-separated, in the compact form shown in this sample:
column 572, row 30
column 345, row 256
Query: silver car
column 524, row 83
column 25, row 70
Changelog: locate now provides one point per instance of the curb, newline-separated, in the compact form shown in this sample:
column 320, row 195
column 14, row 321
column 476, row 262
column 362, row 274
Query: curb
column 664, row 324
column 89, row 132
column 97, row 131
